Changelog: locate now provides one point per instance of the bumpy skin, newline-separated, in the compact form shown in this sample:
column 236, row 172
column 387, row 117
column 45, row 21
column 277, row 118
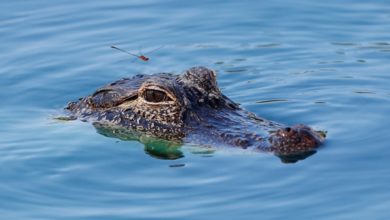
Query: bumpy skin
column 191, row 108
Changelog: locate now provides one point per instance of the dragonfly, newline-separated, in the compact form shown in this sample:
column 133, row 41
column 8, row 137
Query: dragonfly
column 141, row 56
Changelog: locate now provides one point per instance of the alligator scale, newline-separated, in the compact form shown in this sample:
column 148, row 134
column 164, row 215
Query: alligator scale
column 190, row 108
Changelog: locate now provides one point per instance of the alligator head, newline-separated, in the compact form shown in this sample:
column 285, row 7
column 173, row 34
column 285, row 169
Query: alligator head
column 190, row 108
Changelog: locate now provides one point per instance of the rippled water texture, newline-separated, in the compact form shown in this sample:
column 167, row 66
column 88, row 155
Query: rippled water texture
column 322, row 63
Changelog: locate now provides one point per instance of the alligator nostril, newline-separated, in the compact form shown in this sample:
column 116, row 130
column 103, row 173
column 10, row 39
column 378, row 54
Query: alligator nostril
column 288, row 129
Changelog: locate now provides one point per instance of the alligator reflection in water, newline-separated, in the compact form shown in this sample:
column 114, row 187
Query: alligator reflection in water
column 171, row 150
column 158, row 148
column 188, row 108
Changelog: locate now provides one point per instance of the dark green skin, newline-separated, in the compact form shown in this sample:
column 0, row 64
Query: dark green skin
column 190, row 108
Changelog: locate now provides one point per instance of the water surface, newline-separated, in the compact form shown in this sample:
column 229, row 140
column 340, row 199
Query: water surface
column 319, row 63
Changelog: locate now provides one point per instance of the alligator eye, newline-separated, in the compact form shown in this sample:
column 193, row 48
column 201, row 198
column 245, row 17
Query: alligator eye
column 152, row 95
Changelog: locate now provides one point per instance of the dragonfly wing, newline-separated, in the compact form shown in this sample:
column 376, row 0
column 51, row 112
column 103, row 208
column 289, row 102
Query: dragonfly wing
column 154, row 50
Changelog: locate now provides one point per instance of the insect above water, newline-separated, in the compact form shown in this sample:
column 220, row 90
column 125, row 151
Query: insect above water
column 141, row 57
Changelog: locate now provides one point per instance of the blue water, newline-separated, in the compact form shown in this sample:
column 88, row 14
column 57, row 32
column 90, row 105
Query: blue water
column 323, row 63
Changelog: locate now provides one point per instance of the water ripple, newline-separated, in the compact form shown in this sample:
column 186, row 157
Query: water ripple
column 319, row 63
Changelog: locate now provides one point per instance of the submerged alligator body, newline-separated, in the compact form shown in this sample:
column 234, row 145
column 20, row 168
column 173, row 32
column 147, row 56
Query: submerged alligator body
column 190, row 108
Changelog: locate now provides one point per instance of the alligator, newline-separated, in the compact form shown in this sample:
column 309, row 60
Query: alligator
column 190, row 108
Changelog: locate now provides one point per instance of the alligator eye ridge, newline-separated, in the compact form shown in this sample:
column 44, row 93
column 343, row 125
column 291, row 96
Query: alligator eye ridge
column 152, row 95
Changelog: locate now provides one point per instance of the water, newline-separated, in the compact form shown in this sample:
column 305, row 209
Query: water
column 320, row 63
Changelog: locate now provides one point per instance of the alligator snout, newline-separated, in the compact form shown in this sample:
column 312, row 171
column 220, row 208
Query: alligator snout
column 295, row 139
column 282, row 141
